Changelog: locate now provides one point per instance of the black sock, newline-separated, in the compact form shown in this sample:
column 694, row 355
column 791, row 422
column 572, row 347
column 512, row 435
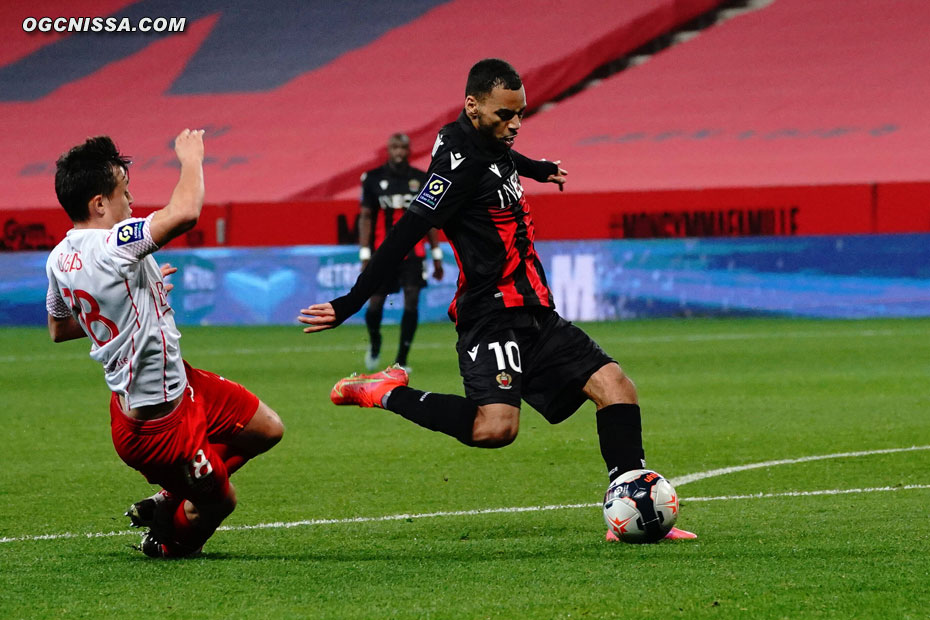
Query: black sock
column 621, row 434
column 373, row 322
column 408, row 327
column 445, row 413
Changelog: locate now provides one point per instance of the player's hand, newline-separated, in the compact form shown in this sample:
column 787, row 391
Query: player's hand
column 559, row 177
column 189, row 146
column 318, row 317
column 437, row 270
column 167, row 270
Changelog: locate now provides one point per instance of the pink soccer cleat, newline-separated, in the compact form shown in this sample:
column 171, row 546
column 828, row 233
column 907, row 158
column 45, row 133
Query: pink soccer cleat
column 673, row 534
column 368, row 390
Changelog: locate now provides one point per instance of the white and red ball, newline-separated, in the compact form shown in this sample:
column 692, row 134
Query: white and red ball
column 640, row 506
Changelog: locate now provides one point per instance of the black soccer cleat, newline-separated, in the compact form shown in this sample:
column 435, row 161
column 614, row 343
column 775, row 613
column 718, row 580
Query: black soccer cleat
column 155, row 512
column 142, row 513
column 151, row 547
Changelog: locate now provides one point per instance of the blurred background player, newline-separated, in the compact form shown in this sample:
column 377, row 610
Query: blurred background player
column 185, row 429
column 386, row 192
column 512, row 344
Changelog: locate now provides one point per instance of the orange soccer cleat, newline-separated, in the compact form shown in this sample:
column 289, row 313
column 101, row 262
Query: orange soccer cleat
column 368, row 390
column 677, row 534
column 673, row 534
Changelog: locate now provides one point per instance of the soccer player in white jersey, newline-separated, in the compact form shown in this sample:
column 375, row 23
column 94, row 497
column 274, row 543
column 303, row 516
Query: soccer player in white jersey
column 184, row 429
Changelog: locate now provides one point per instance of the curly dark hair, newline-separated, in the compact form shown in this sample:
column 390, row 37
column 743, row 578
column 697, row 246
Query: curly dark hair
column 489, row 73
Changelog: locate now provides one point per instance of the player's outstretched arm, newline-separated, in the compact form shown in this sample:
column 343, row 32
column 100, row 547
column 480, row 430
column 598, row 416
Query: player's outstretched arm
column 540, row 170
column 166, row 270
column 436, row 253
column 318, row 317
column 365, row 231
column 183, row 210
column 408, row 230
column 558, row 176
column 63, row 329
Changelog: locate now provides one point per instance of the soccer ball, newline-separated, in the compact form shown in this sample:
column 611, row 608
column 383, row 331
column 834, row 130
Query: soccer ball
column 640, row 506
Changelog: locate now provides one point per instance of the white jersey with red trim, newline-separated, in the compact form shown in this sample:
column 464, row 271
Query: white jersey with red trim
column 109, row 282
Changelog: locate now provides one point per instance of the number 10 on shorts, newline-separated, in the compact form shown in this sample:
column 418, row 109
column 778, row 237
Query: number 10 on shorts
column 510, row 350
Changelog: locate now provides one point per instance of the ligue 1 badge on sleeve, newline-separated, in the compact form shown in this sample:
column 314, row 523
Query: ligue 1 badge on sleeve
column 436, row 187
column 128, row 233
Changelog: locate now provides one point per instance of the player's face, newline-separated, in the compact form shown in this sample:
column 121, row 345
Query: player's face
column 498, row 115
column 119, row 202
column 398, row 151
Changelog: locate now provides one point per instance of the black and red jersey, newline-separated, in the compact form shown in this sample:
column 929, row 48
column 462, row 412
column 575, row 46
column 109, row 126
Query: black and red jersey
column 387, row 192
column 473, row 193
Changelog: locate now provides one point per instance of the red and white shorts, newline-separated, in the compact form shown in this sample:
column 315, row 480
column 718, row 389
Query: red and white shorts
column 176, row 451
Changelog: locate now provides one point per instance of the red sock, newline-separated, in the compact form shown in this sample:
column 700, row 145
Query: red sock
column 232, row 457
column 188, row 537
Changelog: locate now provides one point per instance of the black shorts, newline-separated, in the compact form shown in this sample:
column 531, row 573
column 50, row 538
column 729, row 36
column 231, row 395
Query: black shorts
column 529, row 354
column 408, row 274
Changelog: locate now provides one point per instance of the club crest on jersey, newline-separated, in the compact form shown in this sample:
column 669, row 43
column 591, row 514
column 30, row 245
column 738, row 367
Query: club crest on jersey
column 414, row 185
column 436, row 187
column 127, row 233
column 504, row 381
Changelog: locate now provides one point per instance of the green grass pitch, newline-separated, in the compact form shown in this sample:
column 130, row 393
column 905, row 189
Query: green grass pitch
column 716, row 394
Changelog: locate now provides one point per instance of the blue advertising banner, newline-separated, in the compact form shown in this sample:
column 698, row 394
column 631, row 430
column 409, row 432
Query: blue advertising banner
column 856, row 276
column 831, row 277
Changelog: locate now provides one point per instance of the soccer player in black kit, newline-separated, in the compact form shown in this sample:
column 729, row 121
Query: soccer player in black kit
column 386, row 192
column 512, row 345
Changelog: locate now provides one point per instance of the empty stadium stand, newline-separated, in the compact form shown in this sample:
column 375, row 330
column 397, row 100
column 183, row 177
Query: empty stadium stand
column 796, row 93
column 797, row 118
column 297, row 101
column 675, row 118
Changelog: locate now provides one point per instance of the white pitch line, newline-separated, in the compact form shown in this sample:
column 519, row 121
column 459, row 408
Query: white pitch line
column 65, row 535
column 711, row 473
column 467, row 513
column 903, row 487
column 404, row 517
column 682, row 480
